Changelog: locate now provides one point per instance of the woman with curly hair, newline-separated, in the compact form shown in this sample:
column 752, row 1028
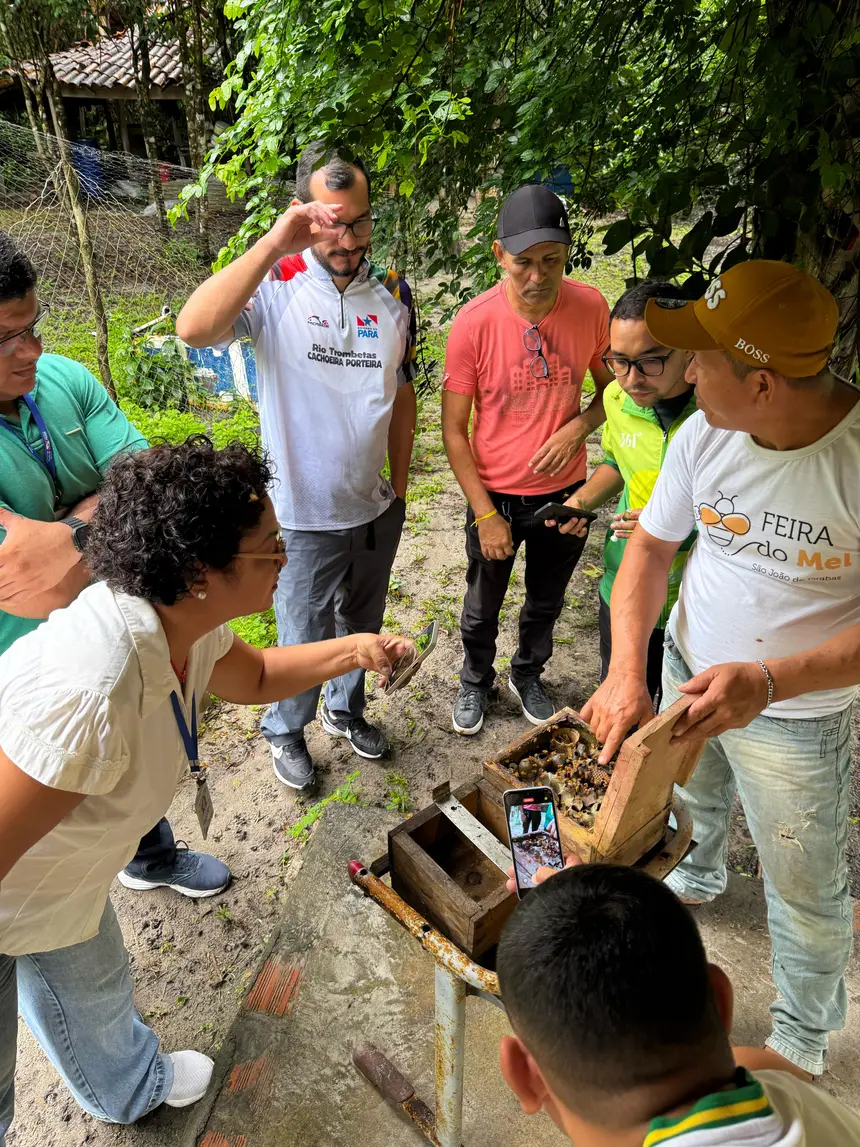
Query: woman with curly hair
column 98, row 726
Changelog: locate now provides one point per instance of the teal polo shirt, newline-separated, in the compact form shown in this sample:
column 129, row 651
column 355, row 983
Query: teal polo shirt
column 86, row 429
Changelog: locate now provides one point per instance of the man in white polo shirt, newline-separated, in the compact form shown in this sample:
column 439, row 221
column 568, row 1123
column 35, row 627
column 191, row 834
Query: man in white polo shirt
column 334, row 337
column 766, row 632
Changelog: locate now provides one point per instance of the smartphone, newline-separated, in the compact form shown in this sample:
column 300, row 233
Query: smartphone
column 407, row 666
column 555, row 511
column 533, row 833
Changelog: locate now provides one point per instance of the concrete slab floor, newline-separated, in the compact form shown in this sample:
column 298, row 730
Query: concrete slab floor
column 340, row 971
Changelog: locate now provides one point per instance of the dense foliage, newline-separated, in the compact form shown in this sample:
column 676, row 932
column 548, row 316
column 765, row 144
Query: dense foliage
column 732, row 122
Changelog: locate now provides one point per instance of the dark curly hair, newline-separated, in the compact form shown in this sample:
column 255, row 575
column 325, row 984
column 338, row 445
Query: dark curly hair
column 17, row 274
column 166, row 513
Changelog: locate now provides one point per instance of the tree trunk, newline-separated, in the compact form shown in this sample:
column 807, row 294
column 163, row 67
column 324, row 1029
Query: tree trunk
column 85, row 244
column 197, row 56
column 143, row 81
column 193, row 105
column 835, row 261
column 29, row 100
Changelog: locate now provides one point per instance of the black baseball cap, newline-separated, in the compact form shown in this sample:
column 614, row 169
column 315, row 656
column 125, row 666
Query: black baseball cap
column 532, row 215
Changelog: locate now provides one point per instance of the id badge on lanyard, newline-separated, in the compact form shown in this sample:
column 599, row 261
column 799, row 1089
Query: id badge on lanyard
column 46, row 459
column 203, row 806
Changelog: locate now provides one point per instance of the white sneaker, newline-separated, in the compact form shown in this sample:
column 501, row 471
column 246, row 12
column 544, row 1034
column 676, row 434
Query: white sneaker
column 192, row 1074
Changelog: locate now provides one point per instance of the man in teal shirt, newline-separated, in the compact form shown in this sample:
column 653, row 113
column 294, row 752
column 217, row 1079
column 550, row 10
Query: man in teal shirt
column 59, row 431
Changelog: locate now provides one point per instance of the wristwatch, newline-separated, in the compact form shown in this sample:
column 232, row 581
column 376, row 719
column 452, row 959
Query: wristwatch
column 80, row 532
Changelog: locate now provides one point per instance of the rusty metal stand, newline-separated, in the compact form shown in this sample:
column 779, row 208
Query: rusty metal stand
column 457, row 976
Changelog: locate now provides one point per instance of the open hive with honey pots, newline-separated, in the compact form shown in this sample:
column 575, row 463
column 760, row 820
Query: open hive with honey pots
column 615, row 812
column 618, row 813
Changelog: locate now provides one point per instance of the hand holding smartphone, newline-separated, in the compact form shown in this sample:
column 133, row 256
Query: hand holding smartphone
column 558, row 512
column 533, row 834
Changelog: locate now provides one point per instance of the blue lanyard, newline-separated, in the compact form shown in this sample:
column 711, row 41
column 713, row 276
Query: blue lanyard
column 189, row 736
column 48, row 460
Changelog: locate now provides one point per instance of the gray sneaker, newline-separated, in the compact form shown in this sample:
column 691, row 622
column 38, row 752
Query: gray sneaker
column 469, row 709
column 536, row 703
column 293, row 765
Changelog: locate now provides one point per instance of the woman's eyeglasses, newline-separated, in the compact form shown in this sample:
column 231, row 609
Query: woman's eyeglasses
column 279, row 554
column 533, row 343
column 652, row 366
column 9, row 343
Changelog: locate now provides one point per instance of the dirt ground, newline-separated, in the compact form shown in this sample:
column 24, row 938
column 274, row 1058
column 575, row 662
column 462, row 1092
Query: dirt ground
column 192, row 961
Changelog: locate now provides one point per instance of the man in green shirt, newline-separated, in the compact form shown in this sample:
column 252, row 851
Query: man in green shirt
column 649, row 399
column 59, row 431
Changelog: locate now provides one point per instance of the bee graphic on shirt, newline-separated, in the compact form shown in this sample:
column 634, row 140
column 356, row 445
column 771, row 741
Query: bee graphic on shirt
column 722, row 521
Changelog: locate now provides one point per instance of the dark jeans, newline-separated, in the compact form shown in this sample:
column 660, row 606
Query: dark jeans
column 654, row 664
column 158, row 846
column 551, row 558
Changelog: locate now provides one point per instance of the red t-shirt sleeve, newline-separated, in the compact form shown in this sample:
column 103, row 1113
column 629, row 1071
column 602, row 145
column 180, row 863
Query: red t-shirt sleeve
column 602, row 334
column 461, row 363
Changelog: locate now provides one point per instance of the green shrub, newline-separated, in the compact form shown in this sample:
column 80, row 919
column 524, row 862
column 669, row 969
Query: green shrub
column 258, row 629
column 242, row 426
column 154, row 381
column 170, row 425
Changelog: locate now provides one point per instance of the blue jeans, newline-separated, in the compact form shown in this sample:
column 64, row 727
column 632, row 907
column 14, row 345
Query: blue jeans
column 334, row 583
column 792, row 777
column 78, row 1004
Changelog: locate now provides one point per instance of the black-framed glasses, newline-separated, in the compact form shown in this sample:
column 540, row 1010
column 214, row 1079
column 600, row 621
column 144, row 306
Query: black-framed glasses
column 361, row 228
column 533, row 343
column 9, row 343
column 652, row 365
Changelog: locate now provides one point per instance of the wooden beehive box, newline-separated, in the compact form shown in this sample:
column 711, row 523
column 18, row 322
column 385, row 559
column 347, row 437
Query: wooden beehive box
column 635, row 810
column 438, row 870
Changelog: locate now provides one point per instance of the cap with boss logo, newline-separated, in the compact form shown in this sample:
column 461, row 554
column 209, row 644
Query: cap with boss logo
column 532, row 215
column 763, row 312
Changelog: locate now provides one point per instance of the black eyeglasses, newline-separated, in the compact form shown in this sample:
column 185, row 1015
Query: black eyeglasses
column 361, row 228
column 652, row 366
column 533, row 343
column 9, row 343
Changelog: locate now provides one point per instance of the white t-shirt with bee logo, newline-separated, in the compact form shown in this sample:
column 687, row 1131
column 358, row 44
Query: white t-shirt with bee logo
column 775, row 569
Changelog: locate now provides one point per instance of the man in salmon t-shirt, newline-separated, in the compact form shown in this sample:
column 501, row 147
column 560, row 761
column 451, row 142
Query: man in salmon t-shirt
column 519, row 353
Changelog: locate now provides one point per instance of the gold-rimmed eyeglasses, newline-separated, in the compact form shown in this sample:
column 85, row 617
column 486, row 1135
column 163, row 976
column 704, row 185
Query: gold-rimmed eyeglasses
column 278, row 555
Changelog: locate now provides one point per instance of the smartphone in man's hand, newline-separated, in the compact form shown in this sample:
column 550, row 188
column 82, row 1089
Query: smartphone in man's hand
column 558, row 512
column 533, row 833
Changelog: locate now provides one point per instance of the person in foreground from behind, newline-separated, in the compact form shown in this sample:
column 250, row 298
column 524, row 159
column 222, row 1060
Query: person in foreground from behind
column 99, row 726
column 621, row 1026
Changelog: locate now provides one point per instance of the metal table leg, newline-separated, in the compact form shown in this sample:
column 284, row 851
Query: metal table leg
column 450, row 1041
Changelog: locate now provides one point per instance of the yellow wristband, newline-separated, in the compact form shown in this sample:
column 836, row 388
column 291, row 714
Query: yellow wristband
column 484, row 517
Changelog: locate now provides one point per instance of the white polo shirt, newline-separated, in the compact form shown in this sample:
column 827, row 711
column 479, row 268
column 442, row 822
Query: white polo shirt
column 85, row 707
column 329, row 364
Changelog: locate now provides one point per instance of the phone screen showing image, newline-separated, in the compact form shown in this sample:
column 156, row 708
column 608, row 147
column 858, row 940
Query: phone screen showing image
column 533, row 834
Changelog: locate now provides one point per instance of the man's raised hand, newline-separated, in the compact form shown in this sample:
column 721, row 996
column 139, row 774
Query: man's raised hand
column 304, row 224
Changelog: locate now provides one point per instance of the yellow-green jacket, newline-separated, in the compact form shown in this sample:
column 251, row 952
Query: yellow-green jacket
column 635, row 444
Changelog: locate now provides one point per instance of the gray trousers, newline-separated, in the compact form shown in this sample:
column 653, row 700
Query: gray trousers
column 334, row 583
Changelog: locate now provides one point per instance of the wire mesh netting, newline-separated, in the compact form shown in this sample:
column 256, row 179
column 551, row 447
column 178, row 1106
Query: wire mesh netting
column 140, row 265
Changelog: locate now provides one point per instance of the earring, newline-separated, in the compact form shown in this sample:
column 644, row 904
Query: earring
column 201, row 596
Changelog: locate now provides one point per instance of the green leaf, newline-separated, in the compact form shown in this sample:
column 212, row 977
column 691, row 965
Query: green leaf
column 619, row 235
column 663, row 262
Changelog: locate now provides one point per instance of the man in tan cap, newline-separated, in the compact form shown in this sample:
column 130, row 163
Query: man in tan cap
column 766, row 632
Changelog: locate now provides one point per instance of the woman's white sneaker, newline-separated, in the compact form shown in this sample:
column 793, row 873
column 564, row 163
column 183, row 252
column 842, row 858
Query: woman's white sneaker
column 192, row 1074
